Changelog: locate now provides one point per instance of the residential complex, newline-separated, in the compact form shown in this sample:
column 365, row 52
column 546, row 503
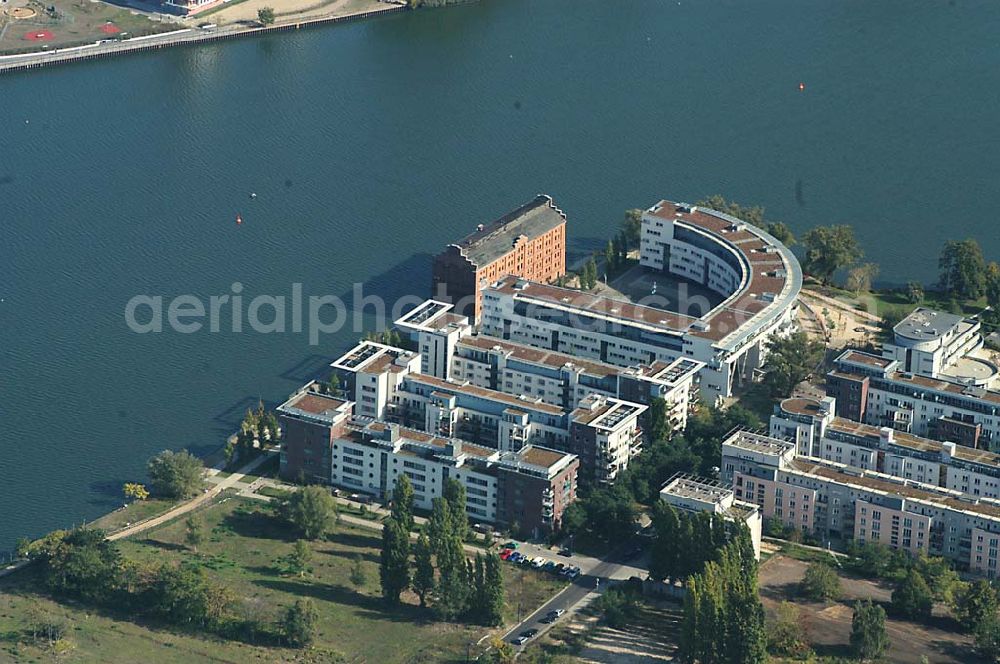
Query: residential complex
column 326, row 442
column 757, row 276
column 818, row 432
column 529, row 242
column 932, row 380
column 836, row 501
column 696, row 494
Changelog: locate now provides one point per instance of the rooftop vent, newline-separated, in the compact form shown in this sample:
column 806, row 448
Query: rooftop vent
column 520, row 284
column 686, row 207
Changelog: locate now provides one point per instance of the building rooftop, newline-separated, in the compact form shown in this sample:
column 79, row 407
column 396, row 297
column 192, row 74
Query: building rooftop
column 771, row 281
column 803, row 406
column 431, row 316
column 859, row 357
column 605, row 413
column 315, row 406
column 538, row 356
column 371, row 357
column 540, row 456
column 758, row 443
column 668, row 373
column 449, row 387
column 491, row 241
column 683, row 485
column 891, row 486
column 926, row 324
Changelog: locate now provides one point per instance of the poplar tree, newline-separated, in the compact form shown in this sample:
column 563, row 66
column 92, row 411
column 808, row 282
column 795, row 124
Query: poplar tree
column 402, row 503
column 493, row 590
column 423, row 573
column 394, row 564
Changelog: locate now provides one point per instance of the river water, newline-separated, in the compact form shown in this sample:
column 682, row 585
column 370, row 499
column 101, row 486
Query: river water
column 372, row 145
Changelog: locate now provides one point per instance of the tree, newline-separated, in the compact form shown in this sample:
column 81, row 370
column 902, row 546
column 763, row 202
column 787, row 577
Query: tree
column 175, row 474
column 299, row 625
column 781, row 233
column 912, row 597
column 632, row 228
column 439, row 525
column 194, row 532
column 988, row 638
column 501, row 652
column 493, row 591
column 962, row 269
column 828, row 249
column 658, row 418
column 992, row 285
column 79, row 563
column 789, row 361
column 610, row 257
column 667, row 553
column 785, row 635
column 977, row 605
column 914, row 292
column 423, row 572
column 820, row 583
column 402, row 503
column 940, row 577
column 394, row 562
column 136, row 491
column 454, row 494
column 860, row 278
column 453, row 590
column 358, row 576
column 299, row 558
column 265, row 15
column 310, row 510
column 183, row 595
column 333, row 384
column 868, row 638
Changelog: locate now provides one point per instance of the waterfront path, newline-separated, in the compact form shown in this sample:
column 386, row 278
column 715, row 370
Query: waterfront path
column 97, row 50
column 194, row 503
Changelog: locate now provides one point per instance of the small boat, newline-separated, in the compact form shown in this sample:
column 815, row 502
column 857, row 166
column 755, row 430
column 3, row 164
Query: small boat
column 253, row 194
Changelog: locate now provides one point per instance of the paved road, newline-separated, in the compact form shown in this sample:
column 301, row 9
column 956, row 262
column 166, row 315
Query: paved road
column 578, row 594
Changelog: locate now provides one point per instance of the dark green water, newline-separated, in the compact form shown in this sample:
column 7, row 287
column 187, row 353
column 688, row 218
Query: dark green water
column 372, row 145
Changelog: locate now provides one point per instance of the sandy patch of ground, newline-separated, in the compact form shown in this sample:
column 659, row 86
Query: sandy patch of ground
column 828, row 625
column 290, row 10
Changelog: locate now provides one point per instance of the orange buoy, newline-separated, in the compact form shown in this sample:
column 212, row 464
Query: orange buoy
column 239, row 220
column 802, row 86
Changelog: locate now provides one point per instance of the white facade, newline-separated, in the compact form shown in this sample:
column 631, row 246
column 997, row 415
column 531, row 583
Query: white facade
column 758, row 277
column 693, row 494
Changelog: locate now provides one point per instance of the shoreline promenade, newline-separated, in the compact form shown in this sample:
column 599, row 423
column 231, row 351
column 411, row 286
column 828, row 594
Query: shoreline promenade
column 182, row 37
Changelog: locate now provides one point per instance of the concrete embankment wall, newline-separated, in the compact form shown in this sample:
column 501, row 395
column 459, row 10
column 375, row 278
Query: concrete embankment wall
column 23, row 62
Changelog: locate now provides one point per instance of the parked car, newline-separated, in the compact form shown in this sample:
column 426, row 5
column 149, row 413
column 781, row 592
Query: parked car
column 514, row 557
column 530, row 633
column 537, row 562
column 558, row 568
column 548, row 566
column 565, row 552
column 510, row 545
column 505, row 554
column 553, row 616
column 519, row 640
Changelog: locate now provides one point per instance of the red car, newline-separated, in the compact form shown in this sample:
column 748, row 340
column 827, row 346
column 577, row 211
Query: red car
column 505, row 554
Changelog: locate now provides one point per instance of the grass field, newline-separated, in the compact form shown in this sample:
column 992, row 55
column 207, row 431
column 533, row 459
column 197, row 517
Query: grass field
column 243, row 550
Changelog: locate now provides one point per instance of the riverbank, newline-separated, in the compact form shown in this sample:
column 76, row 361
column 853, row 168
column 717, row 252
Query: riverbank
column 314, row 15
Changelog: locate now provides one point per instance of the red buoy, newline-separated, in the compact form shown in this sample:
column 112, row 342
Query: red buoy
column 239, row 220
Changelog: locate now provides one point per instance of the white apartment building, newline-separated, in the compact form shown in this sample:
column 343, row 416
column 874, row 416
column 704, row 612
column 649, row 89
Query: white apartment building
column 836, row 501
column 759, row 278
column 818, row 432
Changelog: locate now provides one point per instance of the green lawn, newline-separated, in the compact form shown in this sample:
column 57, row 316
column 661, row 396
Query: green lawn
column 893, row 303
column 135, row 512
column 243, row 550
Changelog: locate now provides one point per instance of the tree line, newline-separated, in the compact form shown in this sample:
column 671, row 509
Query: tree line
column 441, row 575
column 82, row 564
